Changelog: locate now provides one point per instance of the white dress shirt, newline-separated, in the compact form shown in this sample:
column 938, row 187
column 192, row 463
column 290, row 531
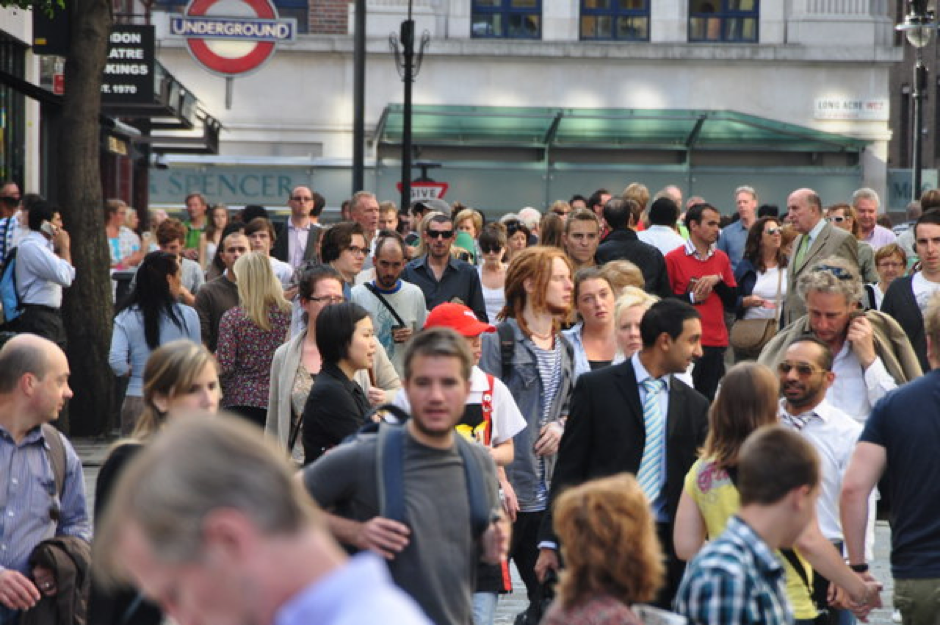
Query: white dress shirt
column 855, row 391
column 663, row 238
column 40, row 274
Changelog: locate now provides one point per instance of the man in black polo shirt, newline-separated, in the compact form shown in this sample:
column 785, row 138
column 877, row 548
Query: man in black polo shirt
column 442, row 277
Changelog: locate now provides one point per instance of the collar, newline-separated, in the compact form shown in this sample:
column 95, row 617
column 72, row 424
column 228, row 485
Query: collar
column 39, row 238
column 767, row 562
column 425, row 262
column 661, row 228
column 332, row 369
column 291, row 226
column 642, row 374
column 823, row 410
column 394, row 289
column 822, row 223
column 623, row 234
column 33, row 436
column 691, row 251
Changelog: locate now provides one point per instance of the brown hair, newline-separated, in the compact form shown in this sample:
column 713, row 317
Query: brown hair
column 752, row 247
column 746, row 401
column 638, row 193
column 621, row 274
column 533, row 263
column 608, row 542
column 773, row 462
column 848, row 211
column 891, row 249
column 582, row 214
column 169, row 230
column 551, row 229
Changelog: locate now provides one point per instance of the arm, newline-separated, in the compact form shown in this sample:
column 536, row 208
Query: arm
column 227, row 349
column 661, row 285
column 46, row 265
column 383, row 536
column 330, row 415
column 823, row 557
column 503, row 453
column 74, row 513
column 689, row 529
column 202, row 306
column 862, row 475
column 119, row 355
column 476, row 302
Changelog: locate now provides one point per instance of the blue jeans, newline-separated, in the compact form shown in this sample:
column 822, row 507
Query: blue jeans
column 484, row 608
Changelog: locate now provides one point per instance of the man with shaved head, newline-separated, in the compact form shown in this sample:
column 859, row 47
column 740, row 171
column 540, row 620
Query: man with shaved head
column 34, row 386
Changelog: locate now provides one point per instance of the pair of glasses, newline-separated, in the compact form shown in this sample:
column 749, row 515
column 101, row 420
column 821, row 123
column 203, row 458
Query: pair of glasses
column 489, row 250
column 803, row 370
column 327, row 299
column 298, row 198
column 836, row 219
column 772, row 231
column 355, row 249
column 891, row 265
column 440, row 234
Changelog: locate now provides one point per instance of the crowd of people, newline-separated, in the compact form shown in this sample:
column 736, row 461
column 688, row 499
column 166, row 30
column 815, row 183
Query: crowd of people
column 410, row 401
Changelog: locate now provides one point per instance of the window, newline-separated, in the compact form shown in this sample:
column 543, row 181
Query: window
column 620, row 20
column 723, row 20
column 507, row 19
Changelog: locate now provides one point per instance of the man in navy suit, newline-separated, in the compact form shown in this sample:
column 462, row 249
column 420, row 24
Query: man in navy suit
column 617, row 410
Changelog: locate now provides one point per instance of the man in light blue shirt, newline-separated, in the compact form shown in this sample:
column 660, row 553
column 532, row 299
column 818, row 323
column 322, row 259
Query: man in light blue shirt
column 734, row 236
column 209, row 522
column 34, row 386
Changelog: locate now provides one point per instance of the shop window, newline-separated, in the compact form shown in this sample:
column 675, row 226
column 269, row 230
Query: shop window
column 506, row 19
column 729, row 21
column 615, row 20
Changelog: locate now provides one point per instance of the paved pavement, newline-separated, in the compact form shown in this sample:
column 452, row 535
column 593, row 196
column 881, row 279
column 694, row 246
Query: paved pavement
column 94, row 451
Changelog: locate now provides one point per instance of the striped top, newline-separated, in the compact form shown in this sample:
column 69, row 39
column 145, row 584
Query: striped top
column 549, row 365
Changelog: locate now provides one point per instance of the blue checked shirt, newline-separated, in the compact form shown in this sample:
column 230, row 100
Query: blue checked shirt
column 28, row 492
column 735, row 580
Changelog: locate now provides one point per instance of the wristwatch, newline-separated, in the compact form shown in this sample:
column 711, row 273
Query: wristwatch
column 859, row 568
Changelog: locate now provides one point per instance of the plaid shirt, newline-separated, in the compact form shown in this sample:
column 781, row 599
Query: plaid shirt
column 736, row 579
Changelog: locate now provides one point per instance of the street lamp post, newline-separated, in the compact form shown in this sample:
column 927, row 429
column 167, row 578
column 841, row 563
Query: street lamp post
column 918, row 27
column 409, row 64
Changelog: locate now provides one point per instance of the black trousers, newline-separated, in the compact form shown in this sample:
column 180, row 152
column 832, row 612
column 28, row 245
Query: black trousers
column 674, row 568
column 43, row 321
column 524, row 551
column 708, row 371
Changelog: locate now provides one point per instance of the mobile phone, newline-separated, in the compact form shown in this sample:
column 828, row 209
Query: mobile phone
column 49, row 228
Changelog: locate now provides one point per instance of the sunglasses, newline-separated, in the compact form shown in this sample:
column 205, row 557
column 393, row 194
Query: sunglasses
column 298, row 198
column 838, row 272
column 803, row 370
column 835, row 219
column 440, row 234
column 489, row 250
column 772, row 231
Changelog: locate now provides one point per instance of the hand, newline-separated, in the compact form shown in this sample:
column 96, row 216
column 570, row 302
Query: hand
column 752, row 301
column 61, row 240
column 376, row 396
column 861, row 337
column 510, row 502
column 17, row 592
column 400, row 335
column 383, row 536
column 549, row 437
column 547, row 561
column 703, row 287
column 496, row 541
column 191, row 254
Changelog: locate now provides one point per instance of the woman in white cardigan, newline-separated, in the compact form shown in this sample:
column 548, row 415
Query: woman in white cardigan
column 297, row 362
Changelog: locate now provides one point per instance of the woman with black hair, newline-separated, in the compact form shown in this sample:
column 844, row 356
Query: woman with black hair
column 337, row 405
column 149, row 317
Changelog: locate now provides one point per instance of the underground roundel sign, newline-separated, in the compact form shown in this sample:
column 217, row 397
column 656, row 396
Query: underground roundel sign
column 232, row 37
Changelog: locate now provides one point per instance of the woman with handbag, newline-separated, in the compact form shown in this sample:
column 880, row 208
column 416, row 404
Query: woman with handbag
column 762, row 280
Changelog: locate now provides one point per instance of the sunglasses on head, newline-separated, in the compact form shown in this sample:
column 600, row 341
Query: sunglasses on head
column 440, row 234
column 838, row 272
column 803, row 370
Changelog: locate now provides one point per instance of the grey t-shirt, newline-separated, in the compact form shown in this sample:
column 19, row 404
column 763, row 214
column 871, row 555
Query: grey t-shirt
column 438, row 566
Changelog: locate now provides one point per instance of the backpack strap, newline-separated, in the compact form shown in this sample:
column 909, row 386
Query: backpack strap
column 507, row 349
column 57, row 456
column 476, row 488
column 390, row 477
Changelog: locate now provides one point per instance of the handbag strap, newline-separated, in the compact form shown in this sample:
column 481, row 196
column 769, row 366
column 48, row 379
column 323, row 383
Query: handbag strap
column 384, row 301
column 777, row 297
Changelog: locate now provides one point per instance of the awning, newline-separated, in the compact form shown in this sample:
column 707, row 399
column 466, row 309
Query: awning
column 610, row 129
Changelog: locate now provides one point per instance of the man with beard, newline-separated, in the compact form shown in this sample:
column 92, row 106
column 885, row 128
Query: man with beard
column 805, row 375
column 442, row 277
column 432, row 553
column 397, row 307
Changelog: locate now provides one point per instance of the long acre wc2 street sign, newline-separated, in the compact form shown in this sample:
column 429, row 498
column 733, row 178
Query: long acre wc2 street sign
column 232, row 37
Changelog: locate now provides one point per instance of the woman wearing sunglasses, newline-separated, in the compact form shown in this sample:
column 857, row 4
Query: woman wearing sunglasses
column 761, row 275
column 843, row 216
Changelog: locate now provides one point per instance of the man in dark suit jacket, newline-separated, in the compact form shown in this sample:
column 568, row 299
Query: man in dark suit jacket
column 599, row 441
column 305, row 209
column 818, row 240
column 622, row 243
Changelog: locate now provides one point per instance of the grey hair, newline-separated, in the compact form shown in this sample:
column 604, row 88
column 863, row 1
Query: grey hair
column 530, row 217
column 746, row 189
column 823, row 278
column 866, row 194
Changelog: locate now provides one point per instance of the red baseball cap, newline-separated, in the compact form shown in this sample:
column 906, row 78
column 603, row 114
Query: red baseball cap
column 459, row 318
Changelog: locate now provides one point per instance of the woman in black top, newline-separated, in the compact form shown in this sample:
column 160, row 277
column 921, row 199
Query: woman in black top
column 337, row 405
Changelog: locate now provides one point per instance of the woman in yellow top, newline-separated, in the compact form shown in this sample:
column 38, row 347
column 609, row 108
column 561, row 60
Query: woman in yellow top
column 747, row 401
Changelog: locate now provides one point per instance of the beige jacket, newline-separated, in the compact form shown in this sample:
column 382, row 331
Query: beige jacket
column 284, row 368
column 891, row 345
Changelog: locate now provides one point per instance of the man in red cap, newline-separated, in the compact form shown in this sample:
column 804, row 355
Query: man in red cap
column 492, row 419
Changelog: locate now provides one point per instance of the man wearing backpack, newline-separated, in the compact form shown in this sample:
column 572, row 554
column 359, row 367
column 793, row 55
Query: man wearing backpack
column 434, row 513
column 43, row 492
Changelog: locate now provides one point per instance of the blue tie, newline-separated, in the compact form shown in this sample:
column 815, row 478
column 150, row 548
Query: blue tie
column 649, row 474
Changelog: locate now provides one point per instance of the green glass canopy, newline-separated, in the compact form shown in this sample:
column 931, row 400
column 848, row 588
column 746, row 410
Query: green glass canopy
column 647, row 129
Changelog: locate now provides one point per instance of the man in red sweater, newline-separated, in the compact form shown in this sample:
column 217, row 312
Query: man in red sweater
column 702, row 275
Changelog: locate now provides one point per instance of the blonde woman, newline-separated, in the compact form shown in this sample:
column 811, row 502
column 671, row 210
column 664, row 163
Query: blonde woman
column 179, row 377
column 249, row 334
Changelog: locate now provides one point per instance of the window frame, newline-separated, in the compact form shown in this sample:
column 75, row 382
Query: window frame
column 614, row 13
column 506, row 10
column 723, row 14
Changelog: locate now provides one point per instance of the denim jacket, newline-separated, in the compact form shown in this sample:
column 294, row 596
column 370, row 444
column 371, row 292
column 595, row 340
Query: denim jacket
column 526, row 387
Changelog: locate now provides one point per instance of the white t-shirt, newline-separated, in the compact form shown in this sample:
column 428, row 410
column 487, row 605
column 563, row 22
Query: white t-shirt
column 923, row 290
column 408, row 302
column 766, row 289
column 507, row 420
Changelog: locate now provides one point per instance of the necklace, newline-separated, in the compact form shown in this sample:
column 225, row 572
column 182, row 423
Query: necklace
column 542, row 337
